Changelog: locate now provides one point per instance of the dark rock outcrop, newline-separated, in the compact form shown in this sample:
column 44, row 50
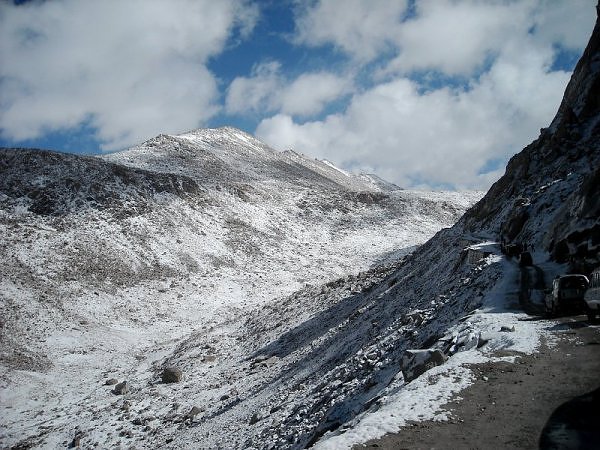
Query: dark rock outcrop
column 558, row 175
column 171, row 375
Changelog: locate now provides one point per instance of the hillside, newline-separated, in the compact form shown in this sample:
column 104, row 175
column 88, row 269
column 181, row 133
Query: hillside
column 549, row 195
column 108, row 264
column 295, row 299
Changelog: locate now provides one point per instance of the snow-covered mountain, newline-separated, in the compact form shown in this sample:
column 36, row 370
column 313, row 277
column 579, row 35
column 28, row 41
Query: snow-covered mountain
column 109, row 264
column 283, row 289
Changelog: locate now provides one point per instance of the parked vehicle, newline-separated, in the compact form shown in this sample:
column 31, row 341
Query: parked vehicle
column 567, row 295
column 513, row 250
column 525, row 259
column 592, row 296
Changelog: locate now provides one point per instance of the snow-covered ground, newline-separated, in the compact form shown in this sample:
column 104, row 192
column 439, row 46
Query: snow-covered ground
column 299, row 302
column 267, row 376
column 112, row 272
column 496, row 325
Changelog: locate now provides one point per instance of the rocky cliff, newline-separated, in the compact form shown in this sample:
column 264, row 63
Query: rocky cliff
column 549, row 195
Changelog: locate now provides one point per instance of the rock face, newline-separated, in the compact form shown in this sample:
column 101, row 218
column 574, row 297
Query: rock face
column 554, row 183
column 171, row 375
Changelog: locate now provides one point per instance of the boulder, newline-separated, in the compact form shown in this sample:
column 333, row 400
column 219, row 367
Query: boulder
column 121, row 388
column 417, row 362
column 171, row 375
column 194, row 412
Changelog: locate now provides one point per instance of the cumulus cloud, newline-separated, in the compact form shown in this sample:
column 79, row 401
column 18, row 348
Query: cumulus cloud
column 361, row 28
column 441, row 138
column 128, row 69
column 254, row 93
column 455, row 37
column 267, row 90
column 418, row 133
column 450, row 35
column 567, row 23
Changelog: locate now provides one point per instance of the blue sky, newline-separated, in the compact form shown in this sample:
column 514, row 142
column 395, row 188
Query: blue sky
column 426, row 93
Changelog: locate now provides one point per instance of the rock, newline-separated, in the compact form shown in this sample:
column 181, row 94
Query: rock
column 126, row 433
column 255, row 418
column 417, row 362
column 171, row 375
column 465, row 340
column 507, row 329
column 224, row 397
column 194, row 412
column 121, row 388
column 111, row 381
column 76, row 442
column 482, row 341
column 261, row 358
column 414, row 317
column 264, row 361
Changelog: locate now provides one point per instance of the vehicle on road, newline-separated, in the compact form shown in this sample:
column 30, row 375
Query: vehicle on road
column 592, row 296
column 567, row 295
column 525, row 259
column 511, row 250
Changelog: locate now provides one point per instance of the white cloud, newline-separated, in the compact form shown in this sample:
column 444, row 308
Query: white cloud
column 455, row 37
column 451, row 36
column 254, row 93
column 130, row 69
column 449, row 136
column 443, row 137
column 565, row 22
column 361, row 28
column 309, row 93
column 267, row 90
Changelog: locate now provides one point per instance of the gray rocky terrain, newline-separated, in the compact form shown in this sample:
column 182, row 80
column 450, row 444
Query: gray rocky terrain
column 294, row 305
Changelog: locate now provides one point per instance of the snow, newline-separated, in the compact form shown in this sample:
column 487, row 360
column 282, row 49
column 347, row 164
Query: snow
column 330, row 164
column 424, row 398
column 287, row 292
column 177, row 277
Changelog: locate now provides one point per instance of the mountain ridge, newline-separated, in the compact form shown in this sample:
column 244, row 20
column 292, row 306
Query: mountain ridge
column 109, row 267
column 265, row 296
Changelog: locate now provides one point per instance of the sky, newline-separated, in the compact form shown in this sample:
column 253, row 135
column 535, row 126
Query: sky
column 428, row 94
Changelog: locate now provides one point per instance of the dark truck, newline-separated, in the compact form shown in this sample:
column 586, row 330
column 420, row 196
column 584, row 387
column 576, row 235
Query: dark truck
column 567, row 295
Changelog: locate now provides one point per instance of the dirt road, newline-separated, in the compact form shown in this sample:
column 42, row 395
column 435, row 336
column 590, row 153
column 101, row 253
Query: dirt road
column 534, row 403
column 548, row 400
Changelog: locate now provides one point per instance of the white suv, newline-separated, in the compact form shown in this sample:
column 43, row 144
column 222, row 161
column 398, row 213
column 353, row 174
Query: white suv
column 592, row 296
column 567, row 295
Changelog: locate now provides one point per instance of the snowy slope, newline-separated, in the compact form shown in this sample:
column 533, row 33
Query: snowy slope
column 228, row 155
column 109, row 264
column 281, row 287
